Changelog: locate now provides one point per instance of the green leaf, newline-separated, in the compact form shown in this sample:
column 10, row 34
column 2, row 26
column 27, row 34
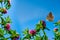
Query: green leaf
column 13, row 34
column 3, row 21
column 26, row 31
column 13, row 31
column 37, row 37
column 56, row 24
column 8, row 20
column 45, row 37
column 40, row 22
column 37, row 27
column 5, row 1
column 4, row 39
column 7, row 6
column 10, row 32
column 1, row 1
column 27, row 36
column 1, row 32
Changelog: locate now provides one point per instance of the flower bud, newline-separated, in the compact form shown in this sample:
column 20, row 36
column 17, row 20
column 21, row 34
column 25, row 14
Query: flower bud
column 8, row 1
column 8, row 26
column 16, row 38
column 4, row 11
column 32, row 32
column 55, row 29
column 43, row 23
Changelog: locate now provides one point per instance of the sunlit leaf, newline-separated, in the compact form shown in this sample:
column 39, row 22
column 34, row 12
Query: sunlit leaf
column 37, row 27
column 37, row 37
column 26, row 31
column 8, row 20
column 5, row 1
column 7, row 6
column 45, row 37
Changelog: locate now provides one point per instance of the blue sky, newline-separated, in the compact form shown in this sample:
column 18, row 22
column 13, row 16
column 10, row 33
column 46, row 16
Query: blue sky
column 27, row 13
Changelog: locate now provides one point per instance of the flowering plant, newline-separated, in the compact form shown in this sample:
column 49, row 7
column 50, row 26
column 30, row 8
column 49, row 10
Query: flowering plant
column 34, row 34
column 5, row 28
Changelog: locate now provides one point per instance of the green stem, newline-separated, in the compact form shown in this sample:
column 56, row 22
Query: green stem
column 44, row 36
column 44, row 32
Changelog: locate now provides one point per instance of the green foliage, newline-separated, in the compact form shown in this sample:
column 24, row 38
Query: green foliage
column 57, row 33
column 5, row 28
column 37, row 37
column 8, row 20
column 26, row 31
